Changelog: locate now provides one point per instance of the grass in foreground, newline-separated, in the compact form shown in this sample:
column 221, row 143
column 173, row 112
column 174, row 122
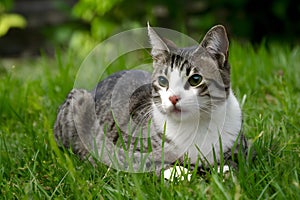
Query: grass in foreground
column 32, row 166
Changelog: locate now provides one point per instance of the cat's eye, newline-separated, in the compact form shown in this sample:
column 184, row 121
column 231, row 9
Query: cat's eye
column 163, row 81
column 195, row 80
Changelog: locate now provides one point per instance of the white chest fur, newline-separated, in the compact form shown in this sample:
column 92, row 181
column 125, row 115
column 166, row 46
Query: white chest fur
column 203, row 133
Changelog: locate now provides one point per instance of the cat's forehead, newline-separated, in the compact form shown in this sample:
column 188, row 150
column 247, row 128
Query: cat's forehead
column 194, row 59
column 196, row 56
column 191, row 53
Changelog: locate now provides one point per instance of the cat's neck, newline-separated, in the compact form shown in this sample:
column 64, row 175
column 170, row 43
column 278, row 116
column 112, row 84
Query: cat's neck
column 225, row 121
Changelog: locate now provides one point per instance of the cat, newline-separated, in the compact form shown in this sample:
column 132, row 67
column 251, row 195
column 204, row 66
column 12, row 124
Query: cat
column 137, row 121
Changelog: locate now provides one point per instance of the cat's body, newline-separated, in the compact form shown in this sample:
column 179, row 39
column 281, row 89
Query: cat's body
column 138, row 121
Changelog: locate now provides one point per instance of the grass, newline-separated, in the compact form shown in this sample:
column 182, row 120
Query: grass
column 32, row 166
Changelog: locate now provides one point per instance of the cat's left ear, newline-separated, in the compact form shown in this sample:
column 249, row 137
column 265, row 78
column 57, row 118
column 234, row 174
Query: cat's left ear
column 161, row 48
column 216, row 42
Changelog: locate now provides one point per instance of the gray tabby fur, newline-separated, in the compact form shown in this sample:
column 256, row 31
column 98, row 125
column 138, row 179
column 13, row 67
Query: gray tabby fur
column 131, row 130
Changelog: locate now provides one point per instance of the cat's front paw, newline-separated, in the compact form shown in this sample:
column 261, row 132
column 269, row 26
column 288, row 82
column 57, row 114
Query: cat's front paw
column 178, row 173
column 225, row 169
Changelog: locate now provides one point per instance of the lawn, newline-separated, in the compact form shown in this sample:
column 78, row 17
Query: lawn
column 265, row 79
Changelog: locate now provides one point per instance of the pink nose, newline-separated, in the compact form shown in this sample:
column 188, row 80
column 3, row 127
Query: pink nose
column 174, row 99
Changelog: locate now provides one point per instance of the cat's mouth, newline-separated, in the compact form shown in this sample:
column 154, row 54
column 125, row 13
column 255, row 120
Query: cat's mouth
column 175, row 110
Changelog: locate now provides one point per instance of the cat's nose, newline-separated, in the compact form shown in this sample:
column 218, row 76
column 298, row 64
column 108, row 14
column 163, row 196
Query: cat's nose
column 174, row 99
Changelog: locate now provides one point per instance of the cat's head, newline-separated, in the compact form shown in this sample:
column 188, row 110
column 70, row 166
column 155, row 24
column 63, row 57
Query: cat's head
column 191, row 81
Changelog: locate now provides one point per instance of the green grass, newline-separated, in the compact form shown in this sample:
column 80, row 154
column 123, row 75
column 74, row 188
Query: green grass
column 33, row 167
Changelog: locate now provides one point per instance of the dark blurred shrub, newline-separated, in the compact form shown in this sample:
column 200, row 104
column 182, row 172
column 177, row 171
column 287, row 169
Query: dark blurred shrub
column 253, row 20
column 92, row 21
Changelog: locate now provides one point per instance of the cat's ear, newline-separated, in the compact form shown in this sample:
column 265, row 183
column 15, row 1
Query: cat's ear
column 216, row 42
column 161, row 48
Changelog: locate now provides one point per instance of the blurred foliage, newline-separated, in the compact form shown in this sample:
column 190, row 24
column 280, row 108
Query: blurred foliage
column 92, row 21
column 92, row 13
column 252, row 20
column 9, row 20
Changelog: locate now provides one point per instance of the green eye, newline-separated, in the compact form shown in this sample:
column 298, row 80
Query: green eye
column 195, row 80
column 163, row 81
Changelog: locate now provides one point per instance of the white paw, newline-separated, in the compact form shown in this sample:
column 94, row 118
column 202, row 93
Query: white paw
column 225, row 169
column 177, row 172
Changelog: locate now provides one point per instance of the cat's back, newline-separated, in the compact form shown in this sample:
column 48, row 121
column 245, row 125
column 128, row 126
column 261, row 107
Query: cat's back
column 113, row 96
column 86, row 114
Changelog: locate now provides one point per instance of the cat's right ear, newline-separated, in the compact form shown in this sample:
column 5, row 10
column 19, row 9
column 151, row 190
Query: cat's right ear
column 216, row 42
column 160, row 49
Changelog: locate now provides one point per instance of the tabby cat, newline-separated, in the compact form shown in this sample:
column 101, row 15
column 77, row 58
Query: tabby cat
column 137, row 121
